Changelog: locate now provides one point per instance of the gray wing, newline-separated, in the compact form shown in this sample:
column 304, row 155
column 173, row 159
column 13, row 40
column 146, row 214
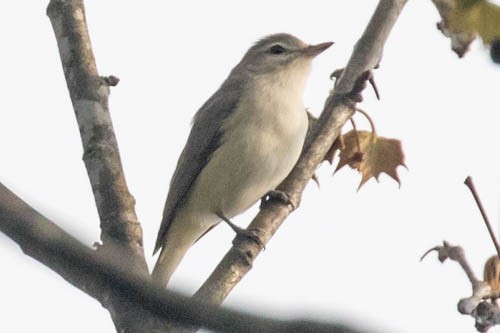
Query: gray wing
column 203, row 140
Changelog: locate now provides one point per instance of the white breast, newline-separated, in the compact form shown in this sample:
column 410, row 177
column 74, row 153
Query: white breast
column 262, row 141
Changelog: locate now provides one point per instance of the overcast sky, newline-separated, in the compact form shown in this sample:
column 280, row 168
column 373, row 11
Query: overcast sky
column 344, row 255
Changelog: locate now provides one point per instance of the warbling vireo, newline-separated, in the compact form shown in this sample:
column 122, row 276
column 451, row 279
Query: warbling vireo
column 244, row 141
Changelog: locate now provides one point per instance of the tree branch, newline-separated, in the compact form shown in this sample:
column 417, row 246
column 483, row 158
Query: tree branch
column 44, row 241
column 337, row 110
column 89, row 94
column 107, row 281
column 78, row 264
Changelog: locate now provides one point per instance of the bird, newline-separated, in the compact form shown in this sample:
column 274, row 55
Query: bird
column 244, row 140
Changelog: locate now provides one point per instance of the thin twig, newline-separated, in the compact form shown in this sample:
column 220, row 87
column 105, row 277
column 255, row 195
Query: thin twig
column 470, row 184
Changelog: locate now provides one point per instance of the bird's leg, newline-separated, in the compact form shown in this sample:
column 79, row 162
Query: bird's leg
column 277, row 195
column 253, row 234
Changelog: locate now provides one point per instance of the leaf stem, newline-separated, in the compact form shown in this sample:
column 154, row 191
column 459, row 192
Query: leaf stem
column 372, row 124
column 356, row 132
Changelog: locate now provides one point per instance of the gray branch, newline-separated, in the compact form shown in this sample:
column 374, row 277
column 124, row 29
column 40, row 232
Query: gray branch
column 153, row 308
column 337, row 110
column 89, row 94
column 78, row 264
column 121, row 233
column 44, row 241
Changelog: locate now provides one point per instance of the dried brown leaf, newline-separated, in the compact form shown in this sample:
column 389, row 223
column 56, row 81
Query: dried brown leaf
column 375, row 155
column 463, row 20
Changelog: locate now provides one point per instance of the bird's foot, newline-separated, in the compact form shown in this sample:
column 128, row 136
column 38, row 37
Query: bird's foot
column 252, row 234
column 279, row 196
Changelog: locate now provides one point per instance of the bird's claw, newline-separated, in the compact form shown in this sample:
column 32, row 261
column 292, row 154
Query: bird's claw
column 279, row 196
column 253, row 234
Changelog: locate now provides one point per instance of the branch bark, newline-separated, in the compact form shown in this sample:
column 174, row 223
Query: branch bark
column 78, row 264
column 121, row 233
column 337, row 110
column 44, row 241
column 89, row 94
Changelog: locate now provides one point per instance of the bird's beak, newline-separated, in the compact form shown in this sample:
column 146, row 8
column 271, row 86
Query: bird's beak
column 314, row 50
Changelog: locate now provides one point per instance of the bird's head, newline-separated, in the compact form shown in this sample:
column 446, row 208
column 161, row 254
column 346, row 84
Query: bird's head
column 280, row 53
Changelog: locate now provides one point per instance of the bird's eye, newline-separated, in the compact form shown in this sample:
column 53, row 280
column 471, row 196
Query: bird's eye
column 277, row 49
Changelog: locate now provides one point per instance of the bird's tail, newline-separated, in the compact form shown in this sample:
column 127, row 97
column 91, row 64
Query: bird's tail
column 170, row 257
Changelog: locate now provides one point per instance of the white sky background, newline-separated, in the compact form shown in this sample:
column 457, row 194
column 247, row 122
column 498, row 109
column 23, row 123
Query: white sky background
column 344, row 254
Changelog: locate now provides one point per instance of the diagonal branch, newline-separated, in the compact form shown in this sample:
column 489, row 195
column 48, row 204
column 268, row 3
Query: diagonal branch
column 44, row 241
column 89, row 94
column 78, row 264
column 104, row 280
column 337, row 110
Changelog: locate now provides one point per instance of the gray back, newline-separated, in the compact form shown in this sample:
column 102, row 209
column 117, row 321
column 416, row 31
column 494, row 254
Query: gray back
column 203, row 140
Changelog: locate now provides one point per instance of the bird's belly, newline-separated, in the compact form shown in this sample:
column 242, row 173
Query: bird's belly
column 246, row 166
